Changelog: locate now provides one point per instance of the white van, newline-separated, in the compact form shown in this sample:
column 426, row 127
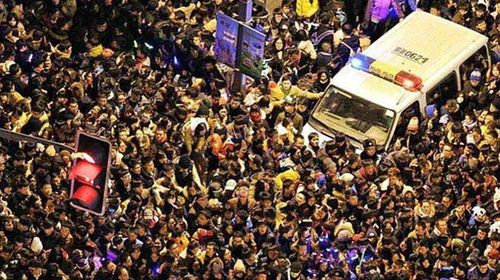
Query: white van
column 420, row 58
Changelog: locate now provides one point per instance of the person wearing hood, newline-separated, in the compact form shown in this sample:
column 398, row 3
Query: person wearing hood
column 322, row 82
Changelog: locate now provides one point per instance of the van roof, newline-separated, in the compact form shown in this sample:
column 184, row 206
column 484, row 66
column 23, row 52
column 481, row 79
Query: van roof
column 427, row 46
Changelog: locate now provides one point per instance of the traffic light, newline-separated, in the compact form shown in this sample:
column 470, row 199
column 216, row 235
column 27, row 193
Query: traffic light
column 90, row 173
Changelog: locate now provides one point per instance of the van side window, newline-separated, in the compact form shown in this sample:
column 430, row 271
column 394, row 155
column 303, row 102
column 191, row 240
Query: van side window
column 479, row 60
column 412, row 111
column 447, row 89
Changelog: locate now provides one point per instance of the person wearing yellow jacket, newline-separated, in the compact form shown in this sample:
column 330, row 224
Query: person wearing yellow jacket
column 307, row 8
column 289, row 174
column 285, row 88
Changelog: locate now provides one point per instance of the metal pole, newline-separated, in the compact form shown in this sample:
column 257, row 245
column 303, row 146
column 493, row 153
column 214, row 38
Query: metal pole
column 15, row 136
column 245, row 10
column 244, row 15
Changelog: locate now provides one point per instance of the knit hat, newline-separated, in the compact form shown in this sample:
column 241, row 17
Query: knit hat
column 195, row 122
column 36, row 245
column 494, row 254
column 357, row 237
column 96, row 51
column 289, row 100
column 344, row 228
column 369, row 143
column 239, row 266
column 230, row 185
column 107, row 53
column 50, row 151
column 478, row 211
column 475, row 75
column 213, row 203
column 287, row 162
column 413, row 124
column 346, row 177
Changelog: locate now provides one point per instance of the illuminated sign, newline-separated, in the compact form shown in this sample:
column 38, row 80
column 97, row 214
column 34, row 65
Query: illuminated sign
column 239, row 46
column 226, row 36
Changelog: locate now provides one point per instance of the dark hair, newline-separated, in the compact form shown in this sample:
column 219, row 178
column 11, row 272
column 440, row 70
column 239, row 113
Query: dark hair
column 481, row 7
column 325, row 18
column 12, row 16
column 347, row 28
column 463, row 5
column 14, row 68
column 301, row 35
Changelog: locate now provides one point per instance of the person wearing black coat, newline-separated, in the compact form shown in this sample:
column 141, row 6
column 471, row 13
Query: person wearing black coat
column 349, row 45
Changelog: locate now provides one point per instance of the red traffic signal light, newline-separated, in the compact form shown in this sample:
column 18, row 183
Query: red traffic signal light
column 89, row 175
column 85, row 171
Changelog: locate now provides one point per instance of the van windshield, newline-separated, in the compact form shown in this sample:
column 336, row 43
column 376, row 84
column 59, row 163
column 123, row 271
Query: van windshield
column 356, row 117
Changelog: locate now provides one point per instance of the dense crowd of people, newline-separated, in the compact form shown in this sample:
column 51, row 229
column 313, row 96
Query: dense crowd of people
column 208, row 183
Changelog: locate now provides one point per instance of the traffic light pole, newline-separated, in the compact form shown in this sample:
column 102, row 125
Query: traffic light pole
column 89, row 173
column 244, row 15
column 15, row 136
